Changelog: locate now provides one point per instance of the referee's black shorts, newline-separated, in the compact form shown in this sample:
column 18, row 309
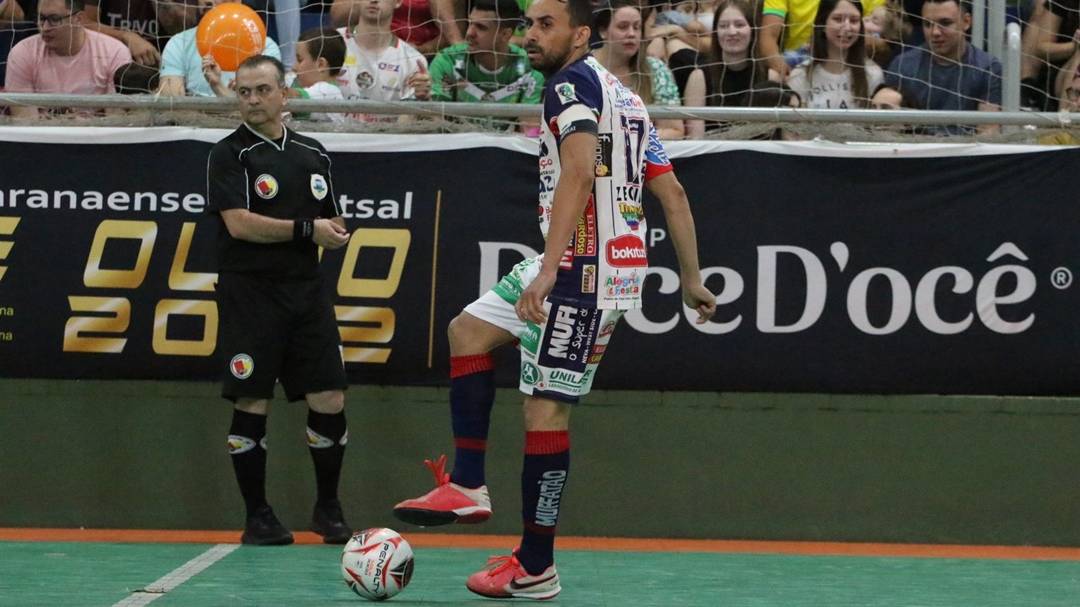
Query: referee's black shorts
column 273, row 330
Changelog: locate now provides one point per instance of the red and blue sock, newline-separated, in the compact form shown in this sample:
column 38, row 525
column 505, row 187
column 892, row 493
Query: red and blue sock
column 472, row 393
column 543, row 478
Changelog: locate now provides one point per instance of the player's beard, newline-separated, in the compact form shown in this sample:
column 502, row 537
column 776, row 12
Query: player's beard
column 550, row 63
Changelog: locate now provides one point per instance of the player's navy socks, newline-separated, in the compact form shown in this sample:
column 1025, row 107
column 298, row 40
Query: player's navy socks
column 472, row 392
column 247, row 448
column 327, row 435
column 543, row 478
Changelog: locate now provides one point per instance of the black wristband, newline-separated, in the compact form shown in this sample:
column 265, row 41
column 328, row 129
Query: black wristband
column 303, row 229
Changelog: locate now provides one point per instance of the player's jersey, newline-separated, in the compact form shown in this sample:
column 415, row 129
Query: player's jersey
column 605, row 261
column 455, row 76
column 378, row 76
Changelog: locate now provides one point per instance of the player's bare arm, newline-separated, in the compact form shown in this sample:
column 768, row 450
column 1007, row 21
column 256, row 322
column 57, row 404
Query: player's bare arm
column 576, row 157
column 680, row 221
column 252, row 227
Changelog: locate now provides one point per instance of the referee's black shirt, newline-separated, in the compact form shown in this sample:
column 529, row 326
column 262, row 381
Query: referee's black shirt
column 284, row 179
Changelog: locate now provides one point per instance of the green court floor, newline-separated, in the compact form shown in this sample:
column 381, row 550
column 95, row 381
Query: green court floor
column 89, row 574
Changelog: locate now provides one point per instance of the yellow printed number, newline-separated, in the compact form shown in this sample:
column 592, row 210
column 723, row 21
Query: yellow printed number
column 362, row 326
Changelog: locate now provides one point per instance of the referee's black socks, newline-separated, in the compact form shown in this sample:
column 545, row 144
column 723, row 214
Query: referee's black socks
column 247, row 448
column 327, row 435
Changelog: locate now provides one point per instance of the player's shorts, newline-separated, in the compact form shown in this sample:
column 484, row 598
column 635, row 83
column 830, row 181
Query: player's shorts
column 558, row 360
column 273, row 330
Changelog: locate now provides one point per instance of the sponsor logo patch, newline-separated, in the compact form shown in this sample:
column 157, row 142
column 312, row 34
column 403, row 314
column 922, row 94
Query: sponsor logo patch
column 569, row 337
column 530, row 373
column 603, row 155
column 597, row 354
column 530, row 339
column 566, row 262
column 626, row 251
column 318, row 441
column 588, row 278
column 623, row 286
column 266, row 187
column 241, row 366
column 319, row 188
column 239, row 444
column 566, row 92
column 585, row 235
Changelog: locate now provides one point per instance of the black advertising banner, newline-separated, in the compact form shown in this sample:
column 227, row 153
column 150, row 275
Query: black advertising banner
column 932, row 269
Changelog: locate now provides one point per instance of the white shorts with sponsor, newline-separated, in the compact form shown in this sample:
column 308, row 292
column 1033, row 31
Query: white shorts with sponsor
column 559, row 359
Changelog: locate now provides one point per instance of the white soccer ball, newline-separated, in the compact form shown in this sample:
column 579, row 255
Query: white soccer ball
column 377, row 563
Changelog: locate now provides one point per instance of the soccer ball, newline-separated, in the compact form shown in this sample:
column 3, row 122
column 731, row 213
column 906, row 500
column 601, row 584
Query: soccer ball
column 377, row 563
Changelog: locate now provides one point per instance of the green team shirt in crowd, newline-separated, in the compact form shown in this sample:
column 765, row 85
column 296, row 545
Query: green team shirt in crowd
column 455, row 76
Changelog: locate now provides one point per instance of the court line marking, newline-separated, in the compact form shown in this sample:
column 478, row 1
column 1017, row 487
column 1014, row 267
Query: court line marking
column 166, row 583
column 422, row 539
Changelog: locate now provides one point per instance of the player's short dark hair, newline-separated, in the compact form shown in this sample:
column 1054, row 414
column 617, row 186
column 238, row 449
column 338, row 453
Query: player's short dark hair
column 326, row 43
column 504, row 9
column 965, row 5
column 581, row 12
column 255, row 61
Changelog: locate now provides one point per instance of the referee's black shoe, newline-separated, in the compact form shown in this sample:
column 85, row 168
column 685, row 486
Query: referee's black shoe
column 264, row 529
column 328, row 521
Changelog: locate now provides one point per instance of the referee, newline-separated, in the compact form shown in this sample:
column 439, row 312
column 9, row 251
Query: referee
column 271, row 192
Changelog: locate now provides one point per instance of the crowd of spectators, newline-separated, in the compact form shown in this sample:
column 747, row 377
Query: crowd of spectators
column 914, row 54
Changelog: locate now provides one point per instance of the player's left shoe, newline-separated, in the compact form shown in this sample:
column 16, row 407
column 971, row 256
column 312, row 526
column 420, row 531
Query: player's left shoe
column 328, row 521
column 505, row 578
column 447, row 503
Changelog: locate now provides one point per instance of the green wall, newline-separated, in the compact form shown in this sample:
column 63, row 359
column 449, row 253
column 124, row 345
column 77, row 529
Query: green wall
column 756, row 466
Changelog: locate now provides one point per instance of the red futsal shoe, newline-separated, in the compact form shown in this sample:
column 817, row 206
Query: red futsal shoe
column 504, row 578
column 446, row 503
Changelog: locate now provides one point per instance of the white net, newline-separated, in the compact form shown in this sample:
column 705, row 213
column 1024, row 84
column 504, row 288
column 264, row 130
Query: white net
column 838, row 54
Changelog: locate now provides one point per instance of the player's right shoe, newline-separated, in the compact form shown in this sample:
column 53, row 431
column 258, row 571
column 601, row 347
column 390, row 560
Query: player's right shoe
column 446, row 503
column 505, row 578
column 264, row 529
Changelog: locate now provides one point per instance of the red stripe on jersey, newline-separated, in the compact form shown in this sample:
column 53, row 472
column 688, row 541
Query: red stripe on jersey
column 547, row 442
column 467, row 365
column 653, row 171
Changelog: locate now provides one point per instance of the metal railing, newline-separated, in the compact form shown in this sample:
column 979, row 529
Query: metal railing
column 1010, row 89
column 503, row 110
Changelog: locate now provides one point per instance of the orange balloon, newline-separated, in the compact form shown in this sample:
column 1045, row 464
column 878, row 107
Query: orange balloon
column 231, row 33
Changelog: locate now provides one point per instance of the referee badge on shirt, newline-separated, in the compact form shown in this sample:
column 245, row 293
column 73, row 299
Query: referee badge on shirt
column 266, row 186
column 318, row 186
column 241, row 366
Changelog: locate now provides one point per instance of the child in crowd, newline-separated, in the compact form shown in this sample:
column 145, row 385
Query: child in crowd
column 320, row 54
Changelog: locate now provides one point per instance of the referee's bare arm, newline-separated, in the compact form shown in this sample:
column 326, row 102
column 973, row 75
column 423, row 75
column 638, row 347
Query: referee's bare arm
column 252, row 227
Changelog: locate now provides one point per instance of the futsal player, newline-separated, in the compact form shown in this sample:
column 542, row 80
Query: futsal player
column 597, row 150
